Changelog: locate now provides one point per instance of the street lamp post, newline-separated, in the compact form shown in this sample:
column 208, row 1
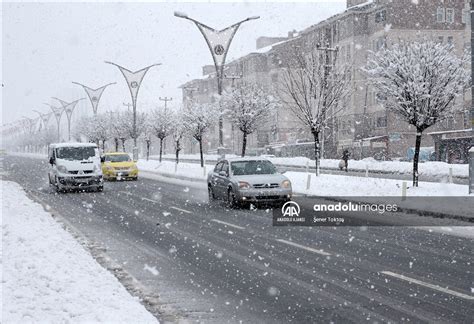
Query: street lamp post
column 68, row 108
column 43, row 117
column 57, row 112
column 134, row 80
column 94, row 95
column 218, row 42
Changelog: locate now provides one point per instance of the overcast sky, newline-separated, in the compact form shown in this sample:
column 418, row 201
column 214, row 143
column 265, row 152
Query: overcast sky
column 46, row 46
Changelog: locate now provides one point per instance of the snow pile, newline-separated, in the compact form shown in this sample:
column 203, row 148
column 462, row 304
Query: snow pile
column 49, row 277
column 425, row 169
column 336, row 185
column 324, row 185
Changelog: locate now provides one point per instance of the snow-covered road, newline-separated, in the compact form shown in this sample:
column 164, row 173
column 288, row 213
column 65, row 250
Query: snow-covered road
column 49, row 277
column 211, row 264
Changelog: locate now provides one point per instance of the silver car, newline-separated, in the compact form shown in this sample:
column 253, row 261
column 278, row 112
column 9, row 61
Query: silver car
column 248, row 180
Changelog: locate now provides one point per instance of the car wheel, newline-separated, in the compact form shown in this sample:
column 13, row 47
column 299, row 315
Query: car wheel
column 57, row 185
column 211, row 193
column 100, row 188
column 231, row 201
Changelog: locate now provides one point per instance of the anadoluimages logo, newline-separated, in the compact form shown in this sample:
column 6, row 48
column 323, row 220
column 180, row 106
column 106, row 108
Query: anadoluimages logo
column 290, row 209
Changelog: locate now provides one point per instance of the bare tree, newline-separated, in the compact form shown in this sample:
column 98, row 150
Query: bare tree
column 197, row 119
column 148, row 135
column 248, row 106
column 119, row 129
column 162, row 122
column 178, row 131
column 420, row 82
column 314, row 90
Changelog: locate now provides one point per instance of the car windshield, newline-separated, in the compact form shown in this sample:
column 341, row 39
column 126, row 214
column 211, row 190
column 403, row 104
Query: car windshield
column 252, row 167
column 75, row 153
column 118, row 158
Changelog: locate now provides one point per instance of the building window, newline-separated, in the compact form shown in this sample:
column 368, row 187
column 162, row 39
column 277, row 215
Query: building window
column 440, row 39
column 450, row 15
column 466, row 16
column 381, row 16
column 382, row 121
column 450, row 40
column 380, row 43
column 440, row 15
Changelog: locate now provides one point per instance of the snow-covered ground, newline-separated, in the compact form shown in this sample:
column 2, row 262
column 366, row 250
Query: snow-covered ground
column 341, row 186
column 48, row 277
column 325, row 184
column 425, row 168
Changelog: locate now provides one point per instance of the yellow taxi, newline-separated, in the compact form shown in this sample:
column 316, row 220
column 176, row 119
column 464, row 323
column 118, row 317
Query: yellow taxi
column 119, row 166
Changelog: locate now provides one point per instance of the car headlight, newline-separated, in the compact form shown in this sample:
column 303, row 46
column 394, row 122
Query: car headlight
column 134, row 167
column 286, row 184
column 109, row 168
column 62, row 169
column 244, row 185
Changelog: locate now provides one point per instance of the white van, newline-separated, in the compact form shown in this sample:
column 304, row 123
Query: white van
column 75, row 166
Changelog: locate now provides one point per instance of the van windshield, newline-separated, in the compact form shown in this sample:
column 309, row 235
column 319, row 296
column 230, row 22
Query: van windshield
column 75, row 153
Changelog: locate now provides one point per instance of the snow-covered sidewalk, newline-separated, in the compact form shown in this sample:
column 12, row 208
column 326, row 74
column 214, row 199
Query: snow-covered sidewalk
column 324, row 185
column 49, row 277
column 327, row 185
column 432, row 168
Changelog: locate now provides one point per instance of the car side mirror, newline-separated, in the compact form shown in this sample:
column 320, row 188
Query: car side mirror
column 51, row 160
column 223, row 174
column 102, row 159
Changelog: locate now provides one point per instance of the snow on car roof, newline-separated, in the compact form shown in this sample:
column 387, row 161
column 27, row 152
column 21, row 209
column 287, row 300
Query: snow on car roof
column 73, row 145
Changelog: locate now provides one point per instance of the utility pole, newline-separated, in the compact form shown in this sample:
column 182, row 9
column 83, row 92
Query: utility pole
column 327, row 66
column 165, row 99
column 233, row 77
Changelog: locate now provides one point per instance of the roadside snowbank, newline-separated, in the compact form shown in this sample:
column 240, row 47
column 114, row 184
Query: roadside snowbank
column 325, row 184
column 425, row 168
column 49, row 277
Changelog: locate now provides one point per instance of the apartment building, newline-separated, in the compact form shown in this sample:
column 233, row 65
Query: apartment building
column 364, row 126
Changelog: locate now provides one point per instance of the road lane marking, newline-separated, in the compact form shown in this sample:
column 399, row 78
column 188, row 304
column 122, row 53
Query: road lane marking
column 150, row 200
column 307, row 248
column 228, row 224
column 182, row 210
column 425, row 284
column 126, row 193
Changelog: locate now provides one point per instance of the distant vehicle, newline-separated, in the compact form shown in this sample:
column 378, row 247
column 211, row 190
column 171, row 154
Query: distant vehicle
column 242, row 181
column 119, row 165
column 75, row 166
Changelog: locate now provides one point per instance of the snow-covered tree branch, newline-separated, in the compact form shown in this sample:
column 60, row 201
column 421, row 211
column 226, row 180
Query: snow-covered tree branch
column 420, row 81
column 197, row 119
column 248, row 105
column 162, row 123
column 315, row 91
